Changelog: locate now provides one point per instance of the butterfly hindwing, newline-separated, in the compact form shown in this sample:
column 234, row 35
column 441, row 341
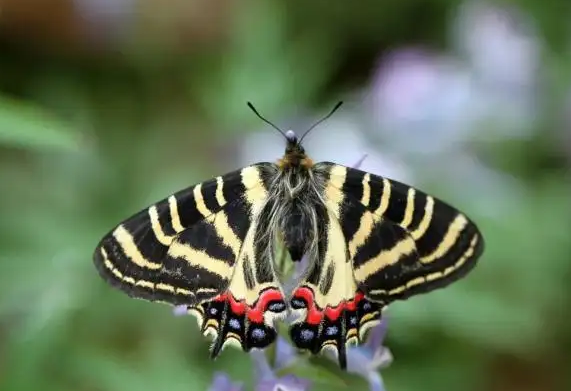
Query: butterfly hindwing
column 244, row 314
column 182, row 250
column 331, row 310
column 408, row 241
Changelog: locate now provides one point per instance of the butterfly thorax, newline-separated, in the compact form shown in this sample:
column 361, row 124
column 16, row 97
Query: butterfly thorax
column 295, row 157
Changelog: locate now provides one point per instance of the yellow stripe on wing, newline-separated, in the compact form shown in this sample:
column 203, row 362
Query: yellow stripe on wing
column 126, row 242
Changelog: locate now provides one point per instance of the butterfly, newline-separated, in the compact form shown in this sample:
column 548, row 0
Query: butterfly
column 366, row 240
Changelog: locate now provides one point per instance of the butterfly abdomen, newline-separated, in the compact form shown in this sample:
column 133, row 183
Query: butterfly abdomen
column 294, row 210
column 300, row 228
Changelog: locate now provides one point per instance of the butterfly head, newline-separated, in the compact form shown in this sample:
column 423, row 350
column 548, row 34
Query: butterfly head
column 295, row 155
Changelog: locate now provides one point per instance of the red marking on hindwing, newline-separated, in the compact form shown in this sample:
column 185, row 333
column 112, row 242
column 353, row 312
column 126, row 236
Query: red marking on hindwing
column 332, row 313
column 255, row 313
column 315, row 315
column 237, row 307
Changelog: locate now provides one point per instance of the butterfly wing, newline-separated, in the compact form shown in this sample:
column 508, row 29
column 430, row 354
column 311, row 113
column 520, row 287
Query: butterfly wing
column 202, row 248
column 406, row 242
column 245, row 314
column 381, row 241
column 182, row 250
column 331, row 311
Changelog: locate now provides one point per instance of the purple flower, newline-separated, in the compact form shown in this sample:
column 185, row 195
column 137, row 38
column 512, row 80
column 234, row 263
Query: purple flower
column 431, row 103
column 222, row 382
column 367, row 359
column 180, row 310
column 266, row 375
column 266, row 378
column 286, row 383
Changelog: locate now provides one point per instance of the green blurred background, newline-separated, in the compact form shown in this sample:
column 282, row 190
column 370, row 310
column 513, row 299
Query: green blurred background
column 109, row 105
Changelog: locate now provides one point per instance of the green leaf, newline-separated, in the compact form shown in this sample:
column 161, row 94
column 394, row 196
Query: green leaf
column 25, row 125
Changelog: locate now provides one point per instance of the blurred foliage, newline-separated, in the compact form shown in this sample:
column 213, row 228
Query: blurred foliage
column 90, row 135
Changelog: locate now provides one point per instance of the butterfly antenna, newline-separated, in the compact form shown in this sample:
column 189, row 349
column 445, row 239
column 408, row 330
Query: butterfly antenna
column 251, row 106
column 321, row 120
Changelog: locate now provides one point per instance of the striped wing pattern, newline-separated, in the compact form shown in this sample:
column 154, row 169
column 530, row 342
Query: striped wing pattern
column 380, row 241
column 244, row 315
column 202, row 248
column 331, row 313
column 182, row 250
column 208, row 247
column 401, row 241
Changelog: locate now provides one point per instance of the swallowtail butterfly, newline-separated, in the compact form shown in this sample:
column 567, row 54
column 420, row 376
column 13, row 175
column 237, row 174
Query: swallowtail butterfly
column 368, row 240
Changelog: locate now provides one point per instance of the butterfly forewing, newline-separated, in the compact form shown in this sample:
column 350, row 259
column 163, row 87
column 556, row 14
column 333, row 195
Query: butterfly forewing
column 405, row 242
column 182, row 249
